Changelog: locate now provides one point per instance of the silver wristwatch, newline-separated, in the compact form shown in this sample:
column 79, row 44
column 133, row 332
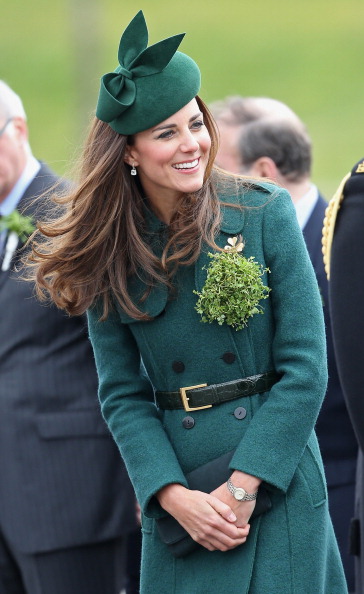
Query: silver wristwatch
column 240, row 494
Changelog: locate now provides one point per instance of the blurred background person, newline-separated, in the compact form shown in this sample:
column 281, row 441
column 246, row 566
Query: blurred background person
column 66, row 503
column 263, row 137
column 344, row 237
column 232, row 113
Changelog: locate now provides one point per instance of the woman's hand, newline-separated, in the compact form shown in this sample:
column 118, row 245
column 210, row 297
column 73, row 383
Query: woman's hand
column 242, row 509
column 208, row 520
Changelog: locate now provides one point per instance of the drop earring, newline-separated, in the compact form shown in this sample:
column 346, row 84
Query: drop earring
column 133, row 170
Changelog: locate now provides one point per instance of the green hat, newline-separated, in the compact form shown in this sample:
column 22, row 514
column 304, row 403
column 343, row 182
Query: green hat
column 151, row 83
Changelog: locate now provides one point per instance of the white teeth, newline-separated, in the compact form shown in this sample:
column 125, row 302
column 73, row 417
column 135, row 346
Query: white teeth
column 189, row 165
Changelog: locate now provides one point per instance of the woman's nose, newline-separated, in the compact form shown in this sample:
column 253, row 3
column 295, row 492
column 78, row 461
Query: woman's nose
column 189, row 143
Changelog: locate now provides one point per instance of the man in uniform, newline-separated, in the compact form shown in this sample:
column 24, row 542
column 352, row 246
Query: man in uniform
column 343, row 243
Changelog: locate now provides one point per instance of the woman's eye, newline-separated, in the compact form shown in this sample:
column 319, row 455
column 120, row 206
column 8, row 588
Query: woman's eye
column 166, row 134
column 169, row 133
column 198, row 124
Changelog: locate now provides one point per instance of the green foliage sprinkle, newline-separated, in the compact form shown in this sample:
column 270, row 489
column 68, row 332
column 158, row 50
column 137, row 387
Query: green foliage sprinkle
column 19, row 224
column 232, row 290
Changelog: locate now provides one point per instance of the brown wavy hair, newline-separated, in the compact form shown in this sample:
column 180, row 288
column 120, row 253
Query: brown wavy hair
column 96, row 240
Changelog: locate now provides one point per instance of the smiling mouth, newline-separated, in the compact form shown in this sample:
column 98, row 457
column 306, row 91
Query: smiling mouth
column 187, row 164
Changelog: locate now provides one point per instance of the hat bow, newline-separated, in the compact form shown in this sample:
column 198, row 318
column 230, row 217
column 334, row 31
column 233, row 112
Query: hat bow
column 136, row 60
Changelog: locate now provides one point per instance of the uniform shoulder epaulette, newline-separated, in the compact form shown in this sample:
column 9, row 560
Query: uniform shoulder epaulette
column 353, row 183
column 329, row 223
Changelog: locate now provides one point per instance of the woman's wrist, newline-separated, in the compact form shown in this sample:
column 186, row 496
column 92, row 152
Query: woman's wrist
column 245, row 481
column 169, row 494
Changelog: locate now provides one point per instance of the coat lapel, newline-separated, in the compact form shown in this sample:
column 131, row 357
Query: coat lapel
column 44, row 179
column 153, row 305
column 231, row 225
column 312, row 232
column 157, row 298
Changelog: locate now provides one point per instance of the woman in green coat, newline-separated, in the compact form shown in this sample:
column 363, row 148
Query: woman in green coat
column 192, row 277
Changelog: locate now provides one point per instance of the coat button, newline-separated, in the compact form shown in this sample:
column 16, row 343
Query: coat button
column 188, row 422
column 178, row 366
column 240, row 412
column 229, row 357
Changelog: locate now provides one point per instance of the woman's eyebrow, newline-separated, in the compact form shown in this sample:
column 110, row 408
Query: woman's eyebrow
column 164, row 126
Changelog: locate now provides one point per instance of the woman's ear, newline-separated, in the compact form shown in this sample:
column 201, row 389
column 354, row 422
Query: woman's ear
column 129, row 158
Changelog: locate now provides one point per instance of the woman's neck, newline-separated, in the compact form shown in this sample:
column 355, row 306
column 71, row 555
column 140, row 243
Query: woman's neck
column 164, row 207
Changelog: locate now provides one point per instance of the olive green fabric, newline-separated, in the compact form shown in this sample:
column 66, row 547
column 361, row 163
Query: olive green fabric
column 291, row 549
column 149, row 85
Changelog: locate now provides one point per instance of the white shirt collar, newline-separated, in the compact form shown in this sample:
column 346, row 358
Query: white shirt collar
column 13, row 198
column 305, row 205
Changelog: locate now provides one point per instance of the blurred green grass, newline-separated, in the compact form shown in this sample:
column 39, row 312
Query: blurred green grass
column 306, row 53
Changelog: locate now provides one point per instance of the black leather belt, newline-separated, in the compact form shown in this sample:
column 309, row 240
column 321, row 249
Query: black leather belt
column 204, row 396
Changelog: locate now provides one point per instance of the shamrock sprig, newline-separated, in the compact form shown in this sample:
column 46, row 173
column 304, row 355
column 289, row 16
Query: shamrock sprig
column 233, row 287
column 17, row 223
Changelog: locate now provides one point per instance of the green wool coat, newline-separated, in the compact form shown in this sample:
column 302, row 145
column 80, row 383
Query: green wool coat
column 292, row 548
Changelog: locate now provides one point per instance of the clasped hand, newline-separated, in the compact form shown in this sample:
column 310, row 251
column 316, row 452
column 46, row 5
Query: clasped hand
column 215, row 520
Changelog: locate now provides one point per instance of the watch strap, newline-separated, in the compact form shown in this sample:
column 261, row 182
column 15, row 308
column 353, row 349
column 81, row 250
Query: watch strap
column 247, row 496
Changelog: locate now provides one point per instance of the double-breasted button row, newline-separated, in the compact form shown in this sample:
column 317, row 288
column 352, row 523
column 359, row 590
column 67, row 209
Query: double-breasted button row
column 178, row 366
column 188, row 422
column 239, row 413
column 228, row 357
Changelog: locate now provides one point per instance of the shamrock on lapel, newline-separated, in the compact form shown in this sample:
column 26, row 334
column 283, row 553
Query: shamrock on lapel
column 233, row 287
column 19, row 228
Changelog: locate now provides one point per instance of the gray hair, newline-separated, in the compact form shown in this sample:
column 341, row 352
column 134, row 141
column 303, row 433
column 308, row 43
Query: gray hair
column 285, row 141
column 11, row 105
column 236, row 110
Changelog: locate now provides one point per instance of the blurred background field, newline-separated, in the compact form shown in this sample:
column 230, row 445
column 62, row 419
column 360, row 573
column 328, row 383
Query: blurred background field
column 307, row 53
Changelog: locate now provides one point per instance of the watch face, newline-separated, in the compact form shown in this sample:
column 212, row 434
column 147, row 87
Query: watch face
column 239, row 493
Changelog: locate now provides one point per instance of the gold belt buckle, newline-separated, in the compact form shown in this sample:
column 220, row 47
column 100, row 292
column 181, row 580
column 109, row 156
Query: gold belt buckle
column 185, row 398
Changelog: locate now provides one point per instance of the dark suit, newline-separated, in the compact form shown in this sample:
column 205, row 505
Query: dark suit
column 334, row 430
column 62, row 482
column 346, row 298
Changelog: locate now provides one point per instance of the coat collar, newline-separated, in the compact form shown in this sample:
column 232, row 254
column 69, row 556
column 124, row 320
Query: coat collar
column 29, row 206
column 154, row 304
column 232, row 224
column 157, row 298
column 241, row 197
column 232, row 218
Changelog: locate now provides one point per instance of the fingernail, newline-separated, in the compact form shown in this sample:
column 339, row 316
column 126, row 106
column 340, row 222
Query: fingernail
column 232, row 518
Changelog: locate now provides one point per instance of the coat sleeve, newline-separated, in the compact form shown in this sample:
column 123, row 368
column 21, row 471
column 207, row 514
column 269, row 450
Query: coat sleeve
column 279, row 431
column 127, row 405
column 347, row 304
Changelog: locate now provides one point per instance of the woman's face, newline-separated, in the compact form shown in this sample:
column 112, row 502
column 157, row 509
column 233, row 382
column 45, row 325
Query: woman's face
column 172, row 156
